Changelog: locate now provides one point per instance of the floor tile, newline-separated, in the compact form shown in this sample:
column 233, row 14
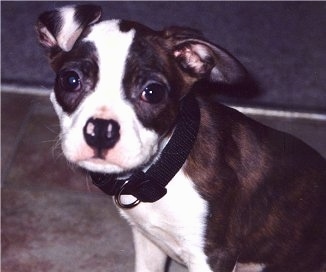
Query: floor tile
column 51, row 231
column 15, row 110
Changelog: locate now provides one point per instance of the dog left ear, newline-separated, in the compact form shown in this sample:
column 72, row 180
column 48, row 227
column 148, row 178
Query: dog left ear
column 60, row 28
column 201, row 59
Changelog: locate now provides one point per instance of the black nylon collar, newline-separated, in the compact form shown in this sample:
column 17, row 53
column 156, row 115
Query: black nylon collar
column 150, row 186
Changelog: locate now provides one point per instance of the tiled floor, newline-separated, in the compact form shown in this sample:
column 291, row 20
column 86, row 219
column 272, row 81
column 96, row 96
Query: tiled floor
column 53, row 219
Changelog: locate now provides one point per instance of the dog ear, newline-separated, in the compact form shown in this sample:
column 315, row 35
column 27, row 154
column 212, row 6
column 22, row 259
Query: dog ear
column 63, row 26
column 200, row 58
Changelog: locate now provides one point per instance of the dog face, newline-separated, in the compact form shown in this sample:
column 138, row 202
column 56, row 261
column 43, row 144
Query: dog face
column 119, row 84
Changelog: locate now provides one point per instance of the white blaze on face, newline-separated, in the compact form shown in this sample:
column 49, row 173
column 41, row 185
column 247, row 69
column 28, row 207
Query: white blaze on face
column 70, row 29
column 137, row 144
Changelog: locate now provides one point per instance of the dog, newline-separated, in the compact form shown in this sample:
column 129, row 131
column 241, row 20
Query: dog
column 198, row 181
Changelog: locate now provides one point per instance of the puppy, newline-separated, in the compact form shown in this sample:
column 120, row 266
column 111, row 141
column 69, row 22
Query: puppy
column 198, row 182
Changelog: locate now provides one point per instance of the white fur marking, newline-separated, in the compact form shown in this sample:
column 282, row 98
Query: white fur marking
column 70, row 30
column 172, row 226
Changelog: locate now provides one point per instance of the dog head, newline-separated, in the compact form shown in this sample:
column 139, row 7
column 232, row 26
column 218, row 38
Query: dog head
column 119, row 84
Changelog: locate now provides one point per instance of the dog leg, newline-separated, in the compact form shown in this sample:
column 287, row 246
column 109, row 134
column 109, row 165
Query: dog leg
column 149, row 257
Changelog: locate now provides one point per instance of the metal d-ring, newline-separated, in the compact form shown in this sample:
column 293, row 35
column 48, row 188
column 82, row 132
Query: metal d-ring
column 118, row 202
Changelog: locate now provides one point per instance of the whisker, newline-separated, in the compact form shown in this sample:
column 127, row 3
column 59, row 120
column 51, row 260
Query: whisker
column 53, row 128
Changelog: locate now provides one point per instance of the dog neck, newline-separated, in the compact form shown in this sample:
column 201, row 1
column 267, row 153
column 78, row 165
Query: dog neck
column 150, row 186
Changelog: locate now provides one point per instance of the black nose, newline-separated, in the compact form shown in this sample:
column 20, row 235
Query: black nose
column 101, row 133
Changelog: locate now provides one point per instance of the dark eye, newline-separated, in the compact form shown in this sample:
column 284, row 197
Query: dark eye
column 154, row 93
column 70, row 81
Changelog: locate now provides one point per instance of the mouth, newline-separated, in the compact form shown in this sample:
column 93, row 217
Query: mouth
column 100, row 154
column 100, row 165
column 103, row 161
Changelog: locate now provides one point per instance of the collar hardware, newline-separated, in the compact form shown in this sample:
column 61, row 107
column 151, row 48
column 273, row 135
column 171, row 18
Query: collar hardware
column 119, row 203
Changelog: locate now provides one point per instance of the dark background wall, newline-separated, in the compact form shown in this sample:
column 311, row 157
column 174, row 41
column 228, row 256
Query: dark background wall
column 282, row 44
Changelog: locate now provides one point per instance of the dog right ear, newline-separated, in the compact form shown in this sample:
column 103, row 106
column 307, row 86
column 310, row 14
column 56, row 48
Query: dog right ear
column 60, row 28
column 200, row 58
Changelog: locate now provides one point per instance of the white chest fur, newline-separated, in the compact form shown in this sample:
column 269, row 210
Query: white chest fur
column 175, row 223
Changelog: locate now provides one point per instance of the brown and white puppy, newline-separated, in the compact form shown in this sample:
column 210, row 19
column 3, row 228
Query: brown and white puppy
column 247, row 196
